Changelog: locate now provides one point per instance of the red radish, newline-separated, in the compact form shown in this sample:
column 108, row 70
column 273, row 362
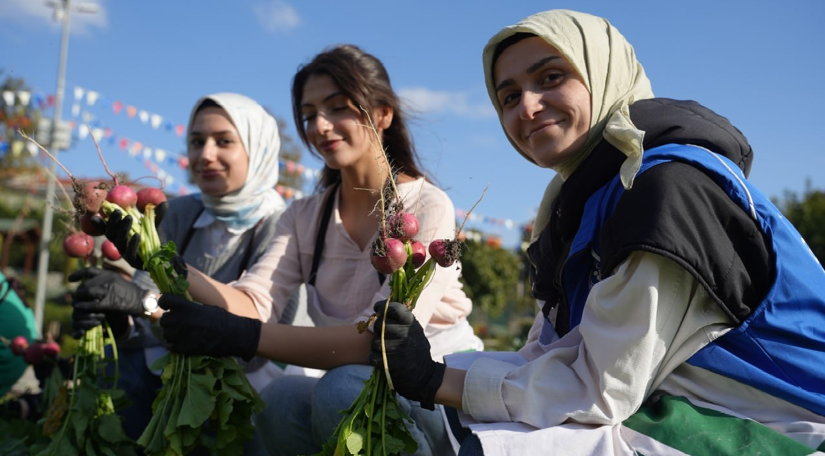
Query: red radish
column 51, row 349
column 403, row 226
column 388, row 256
column 88, row 227
column 92, row 194
column 78, row 245
column 109, row 250
column 445, row 252
column 123, row 196
column 419, row 253
column 149, row 195
column 33, row 354
column 19, row 345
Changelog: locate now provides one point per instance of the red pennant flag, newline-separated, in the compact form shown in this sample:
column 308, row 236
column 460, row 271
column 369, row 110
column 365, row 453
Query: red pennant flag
column 179, row 129
column 50, row 100
column 124, row 143
column 183, row 162
column 117, row 107
column 131, row 111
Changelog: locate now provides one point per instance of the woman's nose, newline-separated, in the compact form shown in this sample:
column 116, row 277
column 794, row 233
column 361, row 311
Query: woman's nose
column 322, row 124
column 209, row 151
column 530, row 104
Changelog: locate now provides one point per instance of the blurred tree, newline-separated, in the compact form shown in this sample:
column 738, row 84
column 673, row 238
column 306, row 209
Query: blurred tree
column 807, row 214
column 13, row 116
column 492, row 277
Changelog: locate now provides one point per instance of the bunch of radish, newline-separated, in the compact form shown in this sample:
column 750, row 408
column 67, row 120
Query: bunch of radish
column 35, row 352
column 81, row 419
column 397, row 253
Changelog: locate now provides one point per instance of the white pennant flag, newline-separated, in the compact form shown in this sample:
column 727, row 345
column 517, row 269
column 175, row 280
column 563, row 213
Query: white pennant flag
column 32, row 148
column 147, row 153
column 91, row 97
column 75, row 110
column 156, row 121
column 8, row 97
column 87, row 116
column 83, row 131
column 144, row 116
column 98, row 134
column 78, row 93
column 161, row 174
column 160, row 154
column 24, row 97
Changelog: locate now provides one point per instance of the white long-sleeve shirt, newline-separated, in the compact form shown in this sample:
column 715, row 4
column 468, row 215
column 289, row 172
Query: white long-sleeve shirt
column 638, row 328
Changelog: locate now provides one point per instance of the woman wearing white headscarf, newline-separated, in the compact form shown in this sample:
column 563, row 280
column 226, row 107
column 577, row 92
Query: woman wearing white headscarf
column 681, row 314
column 232, row 145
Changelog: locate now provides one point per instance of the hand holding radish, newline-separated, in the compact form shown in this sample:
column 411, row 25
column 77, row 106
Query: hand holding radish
column 120, row 232
column 104, row 295
column 195, row 329
column 415, row 375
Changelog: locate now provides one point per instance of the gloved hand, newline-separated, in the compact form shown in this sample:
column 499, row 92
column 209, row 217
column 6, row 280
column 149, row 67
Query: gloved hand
column 84, row 320
column 104, row 295
column 118, row 231
column 196, row 329
column 118, row 228
column 414, row 373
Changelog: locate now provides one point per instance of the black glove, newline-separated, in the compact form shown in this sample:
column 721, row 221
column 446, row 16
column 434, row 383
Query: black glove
column 104, row 295
column 196, row 329
column 117, row 230
column 414, row 373
column 106, row 291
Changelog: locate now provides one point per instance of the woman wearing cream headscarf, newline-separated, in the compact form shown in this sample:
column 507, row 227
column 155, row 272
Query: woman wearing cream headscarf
column 679, row 309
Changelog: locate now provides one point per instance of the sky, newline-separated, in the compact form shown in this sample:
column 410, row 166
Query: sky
column 759, row 63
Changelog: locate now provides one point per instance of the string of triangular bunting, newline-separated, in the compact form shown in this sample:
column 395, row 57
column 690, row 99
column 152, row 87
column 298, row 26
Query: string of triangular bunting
column 153, row 158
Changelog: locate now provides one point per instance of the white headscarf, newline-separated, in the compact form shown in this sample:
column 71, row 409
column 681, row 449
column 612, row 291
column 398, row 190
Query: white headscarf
column 258, row 130
column 607, row 63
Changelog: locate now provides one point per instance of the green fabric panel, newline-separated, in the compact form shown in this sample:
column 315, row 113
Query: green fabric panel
column 679, row 424
column 15, row 320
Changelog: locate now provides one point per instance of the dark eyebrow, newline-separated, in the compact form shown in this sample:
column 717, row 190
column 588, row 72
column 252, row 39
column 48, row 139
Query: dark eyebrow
column 196, row 133
column 327, row 98
column 530, row 70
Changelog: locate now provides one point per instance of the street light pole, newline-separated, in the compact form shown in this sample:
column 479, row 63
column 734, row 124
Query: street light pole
column 63, row 10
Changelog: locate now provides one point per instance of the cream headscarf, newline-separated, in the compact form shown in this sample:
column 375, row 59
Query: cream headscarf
column 258, row 130
column 615, row 79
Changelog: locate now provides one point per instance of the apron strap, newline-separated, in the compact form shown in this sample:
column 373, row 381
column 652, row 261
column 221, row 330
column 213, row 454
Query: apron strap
column 250, row 243
column 189, row 233
column 320, row 237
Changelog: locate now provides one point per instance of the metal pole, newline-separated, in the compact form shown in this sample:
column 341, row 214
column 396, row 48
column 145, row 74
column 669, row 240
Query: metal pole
column 43, row 260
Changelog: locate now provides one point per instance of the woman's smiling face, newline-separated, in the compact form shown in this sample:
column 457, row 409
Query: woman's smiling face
column 545, row 103
column 334, row 125
column 216, row 153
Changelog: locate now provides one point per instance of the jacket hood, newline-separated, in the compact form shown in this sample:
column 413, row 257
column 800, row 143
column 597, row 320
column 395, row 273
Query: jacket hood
column 668, row 121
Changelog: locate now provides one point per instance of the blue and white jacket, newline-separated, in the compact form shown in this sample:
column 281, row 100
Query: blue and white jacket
column 695, row 206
